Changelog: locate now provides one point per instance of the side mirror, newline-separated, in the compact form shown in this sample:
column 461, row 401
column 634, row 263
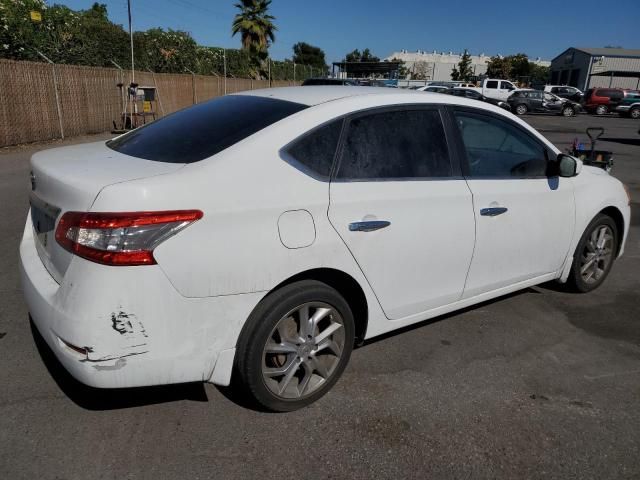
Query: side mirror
column 568, row 166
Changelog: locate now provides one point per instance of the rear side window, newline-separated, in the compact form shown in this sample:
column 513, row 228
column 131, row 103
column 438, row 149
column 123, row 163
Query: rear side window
column 203, row 130
column 395, row 144
column 315, row 151
column 615, row 94
column 498, row 149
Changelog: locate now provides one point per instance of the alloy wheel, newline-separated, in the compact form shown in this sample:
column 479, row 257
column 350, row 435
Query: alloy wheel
column 303, row 350
column 521, row 110
column 601, row 110
column 597, row 254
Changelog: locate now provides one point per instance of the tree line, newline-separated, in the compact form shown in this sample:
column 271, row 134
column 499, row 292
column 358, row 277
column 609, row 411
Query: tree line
column 88, row 37
column 516, row 67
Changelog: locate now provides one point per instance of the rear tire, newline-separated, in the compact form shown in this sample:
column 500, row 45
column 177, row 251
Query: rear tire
column 602, row 110
column 521, row 109
column 594, row 255
column 283, row 362
column 634, row 112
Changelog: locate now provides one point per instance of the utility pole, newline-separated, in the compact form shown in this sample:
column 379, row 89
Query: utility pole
column 133, row 88
column 294, row 72
column 133, row 77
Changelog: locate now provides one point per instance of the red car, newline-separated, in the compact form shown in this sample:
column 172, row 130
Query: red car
column 602, row 100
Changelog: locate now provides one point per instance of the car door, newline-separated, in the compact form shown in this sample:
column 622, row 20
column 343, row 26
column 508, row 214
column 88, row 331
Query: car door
column 524, row 219
column 534, row 101
column 552, row 103
column 401, row 206
column 505, row 89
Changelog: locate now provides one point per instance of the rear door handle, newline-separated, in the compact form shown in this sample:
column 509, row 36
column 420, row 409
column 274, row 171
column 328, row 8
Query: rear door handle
column 492, row 211
column 368, row 226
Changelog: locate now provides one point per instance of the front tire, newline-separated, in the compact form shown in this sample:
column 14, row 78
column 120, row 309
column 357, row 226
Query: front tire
column 294, row 346
column 634, row 112
column 568, row 111
column 594, row 255
column 521, row 109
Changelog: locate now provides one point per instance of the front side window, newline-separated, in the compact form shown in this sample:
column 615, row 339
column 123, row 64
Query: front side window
column 201, row 131
column 497, row 149
column 315, row 151
column 492, row 84
column 395, row 144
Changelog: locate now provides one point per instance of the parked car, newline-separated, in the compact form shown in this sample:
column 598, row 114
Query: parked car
column 630, row 105
column 434, row 88
column 496, row 88
column 328, row 81
column 565, row 91
column 602, row 100
column 475, row 95
column 535, row 101
column 207, row 245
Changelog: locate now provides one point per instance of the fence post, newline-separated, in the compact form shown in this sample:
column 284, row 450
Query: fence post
column 224, row 67
column 194, row 99
column 55, row 89
column 155, row 84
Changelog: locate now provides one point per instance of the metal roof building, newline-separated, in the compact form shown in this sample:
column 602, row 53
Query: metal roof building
column 597, row 67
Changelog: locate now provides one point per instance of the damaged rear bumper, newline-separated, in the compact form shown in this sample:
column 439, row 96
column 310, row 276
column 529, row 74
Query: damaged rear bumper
column 115, row 327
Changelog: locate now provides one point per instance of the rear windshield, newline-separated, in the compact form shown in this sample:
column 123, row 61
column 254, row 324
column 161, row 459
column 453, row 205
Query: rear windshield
column 203, row 130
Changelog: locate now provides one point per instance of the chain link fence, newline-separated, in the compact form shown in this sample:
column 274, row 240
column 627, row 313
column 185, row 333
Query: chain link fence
column 43, row 101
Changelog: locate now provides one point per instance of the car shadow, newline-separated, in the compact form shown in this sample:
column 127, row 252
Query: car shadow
column 91, row 398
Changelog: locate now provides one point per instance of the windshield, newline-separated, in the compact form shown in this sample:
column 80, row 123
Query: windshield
column 201, row 131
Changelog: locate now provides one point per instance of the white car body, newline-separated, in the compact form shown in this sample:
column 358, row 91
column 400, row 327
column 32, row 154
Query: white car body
column 265, row 222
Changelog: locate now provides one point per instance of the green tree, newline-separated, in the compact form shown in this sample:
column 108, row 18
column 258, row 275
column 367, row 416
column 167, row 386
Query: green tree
column 463, row 71
column 540, row 74
column 499, row 67
column 305, row 54
column 403, row 71
column 357, row 56
column 170, row 51
column 520, row 65
column 255, row 26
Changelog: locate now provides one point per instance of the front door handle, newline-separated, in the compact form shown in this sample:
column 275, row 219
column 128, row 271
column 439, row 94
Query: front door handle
column 368, row 226
column 492, row 211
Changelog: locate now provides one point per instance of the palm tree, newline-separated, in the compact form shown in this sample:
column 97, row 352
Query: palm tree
column 255, row 26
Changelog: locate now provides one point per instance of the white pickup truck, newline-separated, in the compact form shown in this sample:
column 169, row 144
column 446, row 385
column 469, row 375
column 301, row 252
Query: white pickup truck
column 496, row 88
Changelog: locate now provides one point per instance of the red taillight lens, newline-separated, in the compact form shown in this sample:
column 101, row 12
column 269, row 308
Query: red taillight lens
column 122, row 238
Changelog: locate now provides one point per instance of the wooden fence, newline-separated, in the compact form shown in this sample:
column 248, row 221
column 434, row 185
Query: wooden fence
column 42, row 101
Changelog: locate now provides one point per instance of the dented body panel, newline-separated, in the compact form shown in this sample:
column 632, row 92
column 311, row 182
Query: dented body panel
column 135, row 327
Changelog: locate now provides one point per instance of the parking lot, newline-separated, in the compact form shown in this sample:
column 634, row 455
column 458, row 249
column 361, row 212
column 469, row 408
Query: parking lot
column 538, row 384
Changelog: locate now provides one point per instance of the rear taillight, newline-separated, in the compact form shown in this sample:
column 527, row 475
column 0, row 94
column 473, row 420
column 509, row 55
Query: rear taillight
column 120, row 238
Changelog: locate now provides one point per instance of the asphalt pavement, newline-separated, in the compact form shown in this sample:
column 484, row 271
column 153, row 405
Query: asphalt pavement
column 538, row 384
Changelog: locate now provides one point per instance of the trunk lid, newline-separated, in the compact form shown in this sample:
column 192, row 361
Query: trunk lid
column 69, row 179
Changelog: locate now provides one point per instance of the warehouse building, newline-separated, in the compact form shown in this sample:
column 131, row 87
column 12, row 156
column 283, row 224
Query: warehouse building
column 434, row 65
column 597, row 67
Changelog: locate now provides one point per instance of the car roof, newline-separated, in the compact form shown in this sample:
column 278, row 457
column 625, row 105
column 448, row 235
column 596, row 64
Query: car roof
column 366, row 97
column 317, row 94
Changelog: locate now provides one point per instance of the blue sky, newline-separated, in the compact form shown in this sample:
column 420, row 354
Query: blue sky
column 537, row 28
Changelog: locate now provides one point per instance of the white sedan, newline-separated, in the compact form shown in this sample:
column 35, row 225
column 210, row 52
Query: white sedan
column 258, row 237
